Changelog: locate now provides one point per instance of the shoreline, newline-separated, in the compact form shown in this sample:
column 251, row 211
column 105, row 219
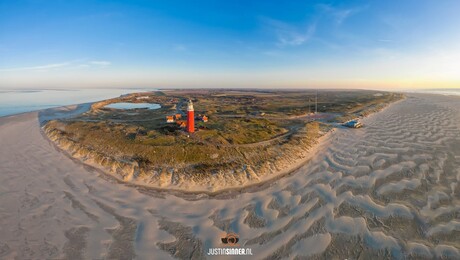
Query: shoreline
column 68, row 97
column 381, row 171
column 192, row 195
column 55, row 107
column 227, row 191
column 198, row 191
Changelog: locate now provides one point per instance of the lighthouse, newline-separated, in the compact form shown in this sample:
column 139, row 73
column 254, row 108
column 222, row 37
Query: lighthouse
column 190, row 117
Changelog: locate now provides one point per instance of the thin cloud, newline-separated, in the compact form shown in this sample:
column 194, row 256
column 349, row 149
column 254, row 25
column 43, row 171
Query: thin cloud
column 100, row 63
column 63, row 65
column 386, row 40
column 340, row 15
column 288, row 35
column 41, row 67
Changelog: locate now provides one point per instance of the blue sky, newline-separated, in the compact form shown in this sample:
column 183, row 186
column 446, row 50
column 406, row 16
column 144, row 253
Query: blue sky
column 275, row 44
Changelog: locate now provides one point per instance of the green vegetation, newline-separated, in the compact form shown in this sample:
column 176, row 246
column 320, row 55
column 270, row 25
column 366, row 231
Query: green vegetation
column 256, row 128
column 241, row 130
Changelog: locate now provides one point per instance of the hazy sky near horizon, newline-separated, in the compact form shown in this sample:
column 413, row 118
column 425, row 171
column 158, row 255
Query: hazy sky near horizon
column 334, row 44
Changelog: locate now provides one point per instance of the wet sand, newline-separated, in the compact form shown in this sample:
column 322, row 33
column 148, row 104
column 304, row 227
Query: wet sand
column 387, row 190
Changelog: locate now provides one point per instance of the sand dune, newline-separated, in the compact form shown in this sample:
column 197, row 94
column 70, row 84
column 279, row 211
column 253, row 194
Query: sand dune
column 389, row 189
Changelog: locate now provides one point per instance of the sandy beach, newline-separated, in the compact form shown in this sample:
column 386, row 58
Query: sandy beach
column 390, row 189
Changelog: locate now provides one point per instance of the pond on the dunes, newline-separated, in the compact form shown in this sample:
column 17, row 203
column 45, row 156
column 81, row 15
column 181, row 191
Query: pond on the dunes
column 124, row 105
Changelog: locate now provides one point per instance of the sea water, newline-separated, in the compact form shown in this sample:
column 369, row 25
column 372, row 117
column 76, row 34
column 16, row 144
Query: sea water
column 20, row 101
column 446, row 91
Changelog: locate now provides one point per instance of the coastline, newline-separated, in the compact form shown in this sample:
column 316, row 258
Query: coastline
column 398, row 169
column 71, row 110
column 224, row 193
column 194, row 194
column 15, row 102
column 263, row 179
column 250, row 186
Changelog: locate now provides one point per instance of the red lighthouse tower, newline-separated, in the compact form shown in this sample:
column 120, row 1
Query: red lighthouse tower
column 190, row 117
